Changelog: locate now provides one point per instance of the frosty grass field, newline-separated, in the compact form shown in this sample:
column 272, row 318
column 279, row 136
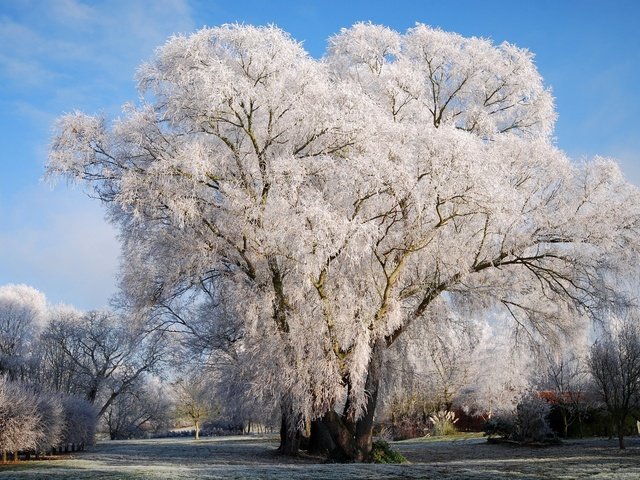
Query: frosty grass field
column 254, row 457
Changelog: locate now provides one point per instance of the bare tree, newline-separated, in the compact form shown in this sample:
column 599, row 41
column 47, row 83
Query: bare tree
column 194, row 399
column 55, row 351
column 566, row 378
column 100, row 355
column 614, row 362
column 143, row 409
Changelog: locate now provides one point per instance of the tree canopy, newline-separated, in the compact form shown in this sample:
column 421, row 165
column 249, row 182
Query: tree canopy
column 335, row 202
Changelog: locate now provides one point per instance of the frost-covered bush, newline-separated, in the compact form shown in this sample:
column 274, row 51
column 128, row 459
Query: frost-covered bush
column 19, row 419
column 34, row 420
column 80, row 423
column 528, row 423
column 532, row 419
column 52, row 420
column 500, row 426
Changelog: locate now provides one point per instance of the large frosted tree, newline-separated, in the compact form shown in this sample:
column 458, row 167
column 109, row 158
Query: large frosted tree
column 336, row 202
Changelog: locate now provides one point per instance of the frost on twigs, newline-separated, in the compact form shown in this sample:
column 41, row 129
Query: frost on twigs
column 336, row 201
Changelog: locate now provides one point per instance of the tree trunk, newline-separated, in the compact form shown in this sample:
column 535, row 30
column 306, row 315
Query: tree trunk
column 92, row 394
column 621, row 434
column 290, row 436
column 320, row 440
column 364, row 425
column 342, row 437
column 197, row 425
column 565, row 423
column 344, row 440
column 580, row 426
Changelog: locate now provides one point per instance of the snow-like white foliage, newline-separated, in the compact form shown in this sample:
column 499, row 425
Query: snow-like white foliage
column 453, row 361
column 34, row 420
column 19, row 418
column 336, row 200
column 22, row 313
column 50, row 408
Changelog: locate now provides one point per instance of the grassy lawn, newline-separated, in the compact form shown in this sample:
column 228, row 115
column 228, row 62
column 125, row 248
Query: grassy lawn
column 457, row 457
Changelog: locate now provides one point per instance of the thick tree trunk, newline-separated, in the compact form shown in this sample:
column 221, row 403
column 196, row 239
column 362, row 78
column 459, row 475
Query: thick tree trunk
column 197, row 425
column 364, row 425
column 345, row 440
column 320, row 440
column 290, row 435
column 341, row 435
column 290, row 438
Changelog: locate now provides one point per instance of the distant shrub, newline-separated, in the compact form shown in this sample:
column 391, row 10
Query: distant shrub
column 19, row 419
column 443, row 423
column 529, row 422
column 52, row 423
column 409, row 415
column 382, row 453
column 500, row 426
column 532, row 419
column 33, row 420
column 80, row 422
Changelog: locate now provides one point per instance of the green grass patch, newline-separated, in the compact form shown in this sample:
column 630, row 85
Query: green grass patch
column 382, row 453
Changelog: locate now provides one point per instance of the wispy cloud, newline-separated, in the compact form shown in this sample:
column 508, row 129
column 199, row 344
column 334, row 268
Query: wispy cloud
column 72, row 12
column 55, row 57
column 97, row 41
column 58, row 242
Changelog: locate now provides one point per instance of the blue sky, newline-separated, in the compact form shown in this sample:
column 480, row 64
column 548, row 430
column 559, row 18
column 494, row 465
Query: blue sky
column 57, row 56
